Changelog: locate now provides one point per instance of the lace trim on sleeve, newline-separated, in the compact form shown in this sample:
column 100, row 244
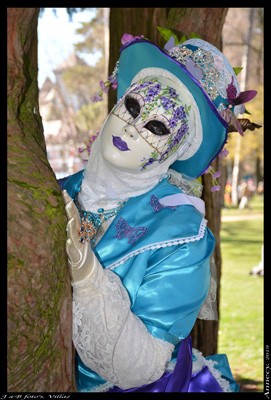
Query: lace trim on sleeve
column 208, row 310
column 103, row 388
column 105, row 331
column 165, row 243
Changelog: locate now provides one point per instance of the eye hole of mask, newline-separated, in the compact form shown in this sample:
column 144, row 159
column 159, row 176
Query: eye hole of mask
column 157, row 128
column 132, row 106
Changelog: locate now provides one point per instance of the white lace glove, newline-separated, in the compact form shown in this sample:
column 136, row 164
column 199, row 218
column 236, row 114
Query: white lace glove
column 110, row 339
column 81, row 258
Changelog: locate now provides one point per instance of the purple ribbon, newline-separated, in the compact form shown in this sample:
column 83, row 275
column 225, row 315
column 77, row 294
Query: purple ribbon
column 204, row 381
column 181, row 378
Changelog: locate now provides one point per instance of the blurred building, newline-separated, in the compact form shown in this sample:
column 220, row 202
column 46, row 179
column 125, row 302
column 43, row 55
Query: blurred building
column 57, row 108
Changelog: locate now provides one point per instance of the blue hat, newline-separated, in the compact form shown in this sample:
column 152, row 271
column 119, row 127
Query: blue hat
column 209, row 78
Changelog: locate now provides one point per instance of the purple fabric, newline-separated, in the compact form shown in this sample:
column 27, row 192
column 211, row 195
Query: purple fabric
column 204, row 381
column 181, row 378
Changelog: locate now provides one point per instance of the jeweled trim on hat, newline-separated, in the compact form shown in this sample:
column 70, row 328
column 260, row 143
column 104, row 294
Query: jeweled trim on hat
column 200, row 63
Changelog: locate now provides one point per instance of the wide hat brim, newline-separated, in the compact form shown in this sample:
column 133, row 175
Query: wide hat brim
column 140, row 54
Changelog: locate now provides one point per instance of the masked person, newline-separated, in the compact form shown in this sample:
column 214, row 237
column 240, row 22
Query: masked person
column 141, row 264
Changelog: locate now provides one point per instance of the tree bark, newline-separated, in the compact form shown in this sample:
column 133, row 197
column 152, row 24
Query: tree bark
column 208, row 24
column 136, row 21
column 40, row 354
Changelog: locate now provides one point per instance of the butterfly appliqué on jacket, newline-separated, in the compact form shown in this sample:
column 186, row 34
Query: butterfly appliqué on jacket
column 157, row 206
column 132, row 233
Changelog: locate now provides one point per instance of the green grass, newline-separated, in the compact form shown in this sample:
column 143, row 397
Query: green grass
column 256, row 206
column 241, row 301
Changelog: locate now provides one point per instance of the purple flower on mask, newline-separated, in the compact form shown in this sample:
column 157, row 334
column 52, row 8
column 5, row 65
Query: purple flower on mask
column 152, row 92
column 172, row 93
column 149, row 97
column 179, row 113
column 181, row 132
column 157, row 87
column 166, row 102
column 172, row 123
column 175, row 142
column 149, row 162
column 144, row 84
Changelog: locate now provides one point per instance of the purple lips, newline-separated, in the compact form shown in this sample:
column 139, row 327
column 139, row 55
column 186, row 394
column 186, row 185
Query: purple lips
column 119, row 143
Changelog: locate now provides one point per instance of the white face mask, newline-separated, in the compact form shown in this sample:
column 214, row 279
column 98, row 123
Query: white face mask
column 146, row 126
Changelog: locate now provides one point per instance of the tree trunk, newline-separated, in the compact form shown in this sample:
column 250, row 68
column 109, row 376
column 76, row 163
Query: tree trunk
column 208, row 23
column 136, row 21
column 40, row 354
column 205, row 22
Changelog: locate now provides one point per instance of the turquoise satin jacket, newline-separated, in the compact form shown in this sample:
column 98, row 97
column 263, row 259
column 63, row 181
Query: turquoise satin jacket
column 162, row 256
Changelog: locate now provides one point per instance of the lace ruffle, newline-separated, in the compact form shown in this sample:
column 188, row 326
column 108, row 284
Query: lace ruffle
column 208, row 310
column 105, row 331
column 192, row 188
column 103, row 388
column 201, row 361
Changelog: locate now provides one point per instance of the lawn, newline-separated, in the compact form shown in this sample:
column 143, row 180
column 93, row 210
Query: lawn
column 241, row 302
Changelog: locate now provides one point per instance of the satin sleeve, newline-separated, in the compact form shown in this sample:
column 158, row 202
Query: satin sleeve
column 174, row 288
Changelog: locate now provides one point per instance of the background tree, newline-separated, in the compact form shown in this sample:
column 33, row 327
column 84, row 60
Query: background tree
column 39, row 341
column 82, row 81
column 244, row 46
column 70, row 117
column 208, row 24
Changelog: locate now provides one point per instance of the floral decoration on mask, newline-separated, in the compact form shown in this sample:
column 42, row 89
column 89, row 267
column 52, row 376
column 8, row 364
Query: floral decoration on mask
column 158, row 102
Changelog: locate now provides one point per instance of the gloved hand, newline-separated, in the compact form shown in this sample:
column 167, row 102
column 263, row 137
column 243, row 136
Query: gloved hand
column 81, row 258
